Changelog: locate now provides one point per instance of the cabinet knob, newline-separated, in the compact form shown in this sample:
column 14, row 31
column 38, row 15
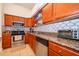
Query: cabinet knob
column 60, row 50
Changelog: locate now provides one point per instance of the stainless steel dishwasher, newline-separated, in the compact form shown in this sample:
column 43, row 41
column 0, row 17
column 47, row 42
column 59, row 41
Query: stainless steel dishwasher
column 41, row 47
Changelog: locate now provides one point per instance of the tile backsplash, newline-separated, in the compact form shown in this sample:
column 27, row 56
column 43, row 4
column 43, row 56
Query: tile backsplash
column 71, row 24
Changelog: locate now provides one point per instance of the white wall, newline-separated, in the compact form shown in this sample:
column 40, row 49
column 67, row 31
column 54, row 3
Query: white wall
column 37, row 7
column 1, row 18
column 17, row 10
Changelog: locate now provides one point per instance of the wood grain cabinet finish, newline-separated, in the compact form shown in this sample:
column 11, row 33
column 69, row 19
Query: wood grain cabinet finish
column 30, row 22
column 6, row 40
column 31, row 40
column 47, row 13
column 34, row 43
column 8, row 20
column 15, row 18
column 54, row 12
column 62, row 50
column 65, row 9
column 27, row 37
column 26, row 22
column 52, row 53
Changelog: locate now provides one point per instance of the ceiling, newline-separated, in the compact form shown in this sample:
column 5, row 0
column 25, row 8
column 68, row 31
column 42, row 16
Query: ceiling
column 26, row 5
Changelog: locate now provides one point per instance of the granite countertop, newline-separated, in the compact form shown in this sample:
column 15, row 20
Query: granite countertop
column 74, row 44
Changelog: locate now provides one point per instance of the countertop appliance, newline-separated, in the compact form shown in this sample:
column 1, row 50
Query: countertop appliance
column 69, row 34
column 41, row 47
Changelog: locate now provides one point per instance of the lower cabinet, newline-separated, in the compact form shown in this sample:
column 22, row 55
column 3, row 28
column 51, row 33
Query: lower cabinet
column 54, row 49
column 6, row 40
column 52, row 53
column 31, row 40
column 26, row 38
column 64, row 51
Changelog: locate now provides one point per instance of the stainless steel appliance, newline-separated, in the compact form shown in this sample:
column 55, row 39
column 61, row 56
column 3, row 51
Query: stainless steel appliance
column 41, row 47
column 18, row 23
column 70, row 34
column 17, row 31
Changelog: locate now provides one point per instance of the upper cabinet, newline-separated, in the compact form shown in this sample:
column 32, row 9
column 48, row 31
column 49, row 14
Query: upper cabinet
column 30, row 22
column 20, row 19
column 15, row 18
column 54, row 12
column 47, row 13
column 8, row 20
column 65, row 9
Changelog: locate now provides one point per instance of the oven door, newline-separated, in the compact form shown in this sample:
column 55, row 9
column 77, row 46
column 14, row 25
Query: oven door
column 65, row 34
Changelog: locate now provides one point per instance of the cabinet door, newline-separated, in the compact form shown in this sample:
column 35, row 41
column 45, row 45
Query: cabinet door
column 62, row 50
column 32, row 42
column 28, row 38
column 65, row 9
column 15, row 18
column 27, row 22
column 6, row 40
column 30, row 22
column 8, row 20
column 47, row 13
column 21, row 19
column 25, row 38
column 52, row 53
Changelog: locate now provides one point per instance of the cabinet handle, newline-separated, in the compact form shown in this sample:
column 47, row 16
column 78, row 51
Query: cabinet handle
column 60, row 51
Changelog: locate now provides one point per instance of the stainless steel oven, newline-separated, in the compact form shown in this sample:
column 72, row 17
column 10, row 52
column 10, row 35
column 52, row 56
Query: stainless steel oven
column 70, row 34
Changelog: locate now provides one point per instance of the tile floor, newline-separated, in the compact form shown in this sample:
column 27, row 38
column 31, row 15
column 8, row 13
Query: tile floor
column 18, row 50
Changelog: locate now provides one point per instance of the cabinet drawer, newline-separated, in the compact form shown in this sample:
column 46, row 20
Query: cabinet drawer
column 52, row 53
column 62, row 50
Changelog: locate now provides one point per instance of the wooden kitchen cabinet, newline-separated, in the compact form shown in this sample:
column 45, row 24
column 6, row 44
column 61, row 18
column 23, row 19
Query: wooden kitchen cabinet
column 27, row 22
column 65, row 9
column 32, row 42
column 15, row 18
column 64, row 51
column 30, row 22
column 31, row 39
column 54, row 12
column 47, row 13
column 21, row 19
column 8, row 20
column 27, row 37
column 52, row 53
column 6, row 40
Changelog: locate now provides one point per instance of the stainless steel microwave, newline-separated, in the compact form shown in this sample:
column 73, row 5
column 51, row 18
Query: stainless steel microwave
column 69, row 34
